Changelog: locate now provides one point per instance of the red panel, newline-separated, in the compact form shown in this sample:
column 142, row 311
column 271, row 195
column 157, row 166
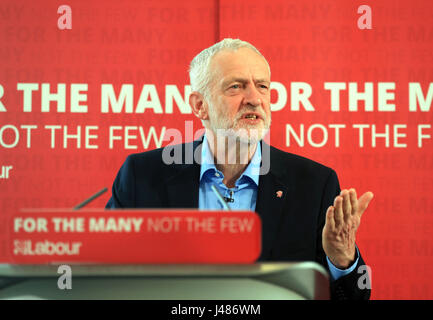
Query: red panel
column 111, row 42
column 175, row 236
column 319, row 41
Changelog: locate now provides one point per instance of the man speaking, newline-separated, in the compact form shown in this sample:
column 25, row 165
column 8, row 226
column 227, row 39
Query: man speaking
column 305, row 216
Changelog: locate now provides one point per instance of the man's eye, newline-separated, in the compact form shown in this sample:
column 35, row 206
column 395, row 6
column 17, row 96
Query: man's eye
column 263, row 86
column 235, row 86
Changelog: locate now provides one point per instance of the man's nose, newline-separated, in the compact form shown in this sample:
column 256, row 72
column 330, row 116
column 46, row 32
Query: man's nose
column 252, row 96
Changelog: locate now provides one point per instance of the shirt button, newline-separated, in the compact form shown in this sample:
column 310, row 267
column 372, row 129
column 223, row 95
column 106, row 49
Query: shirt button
column 217, row 174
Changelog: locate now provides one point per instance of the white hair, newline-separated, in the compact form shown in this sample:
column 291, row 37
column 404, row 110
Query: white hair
column 199, row 73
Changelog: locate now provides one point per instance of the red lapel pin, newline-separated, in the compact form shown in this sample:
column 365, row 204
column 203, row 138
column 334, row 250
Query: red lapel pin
column 279, row 194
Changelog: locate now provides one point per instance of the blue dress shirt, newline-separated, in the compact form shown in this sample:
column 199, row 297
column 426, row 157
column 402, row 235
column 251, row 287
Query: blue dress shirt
column 243, row 196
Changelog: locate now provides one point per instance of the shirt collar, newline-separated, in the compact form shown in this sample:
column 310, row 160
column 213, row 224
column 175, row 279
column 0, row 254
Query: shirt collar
column 208, row 164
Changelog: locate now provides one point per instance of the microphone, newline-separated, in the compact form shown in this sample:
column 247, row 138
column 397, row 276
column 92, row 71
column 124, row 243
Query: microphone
column 230, row 199
column 85, row 202
column 220, row 198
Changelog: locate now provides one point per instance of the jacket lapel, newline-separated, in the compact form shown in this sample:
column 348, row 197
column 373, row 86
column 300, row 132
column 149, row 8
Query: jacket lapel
column 183, row 185
column 269, row 206
column 272, row 196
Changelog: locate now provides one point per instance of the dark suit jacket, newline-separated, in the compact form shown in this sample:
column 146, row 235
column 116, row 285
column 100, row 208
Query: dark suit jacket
column 292, row 224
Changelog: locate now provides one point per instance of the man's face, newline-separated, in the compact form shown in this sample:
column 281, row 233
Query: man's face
column 240, row 95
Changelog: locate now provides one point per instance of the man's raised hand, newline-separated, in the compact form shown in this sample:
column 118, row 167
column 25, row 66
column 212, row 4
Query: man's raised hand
column 342, row 221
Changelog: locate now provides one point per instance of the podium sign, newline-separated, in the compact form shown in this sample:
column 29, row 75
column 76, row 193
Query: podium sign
column 131, row 236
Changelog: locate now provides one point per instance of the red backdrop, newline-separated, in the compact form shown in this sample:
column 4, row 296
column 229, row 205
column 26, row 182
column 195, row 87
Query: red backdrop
column 142, row 43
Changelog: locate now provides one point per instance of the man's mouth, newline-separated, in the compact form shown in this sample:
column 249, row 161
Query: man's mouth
column 252, row 116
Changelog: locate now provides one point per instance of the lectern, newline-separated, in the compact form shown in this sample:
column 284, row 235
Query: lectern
column 148, row 254
column 259, row 281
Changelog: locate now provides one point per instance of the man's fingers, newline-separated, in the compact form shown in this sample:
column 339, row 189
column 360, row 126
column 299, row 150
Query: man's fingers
column 363, row 202
column 353, row 200
column 338, row 211
column 330, row 219
column 347, row 207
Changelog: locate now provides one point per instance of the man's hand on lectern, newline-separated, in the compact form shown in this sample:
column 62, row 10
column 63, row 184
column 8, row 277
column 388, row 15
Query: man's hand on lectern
column 342, row 221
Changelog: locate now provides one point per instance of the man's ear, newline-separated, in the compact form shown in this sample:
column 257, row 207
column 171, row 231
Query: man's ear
column 198, row 105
